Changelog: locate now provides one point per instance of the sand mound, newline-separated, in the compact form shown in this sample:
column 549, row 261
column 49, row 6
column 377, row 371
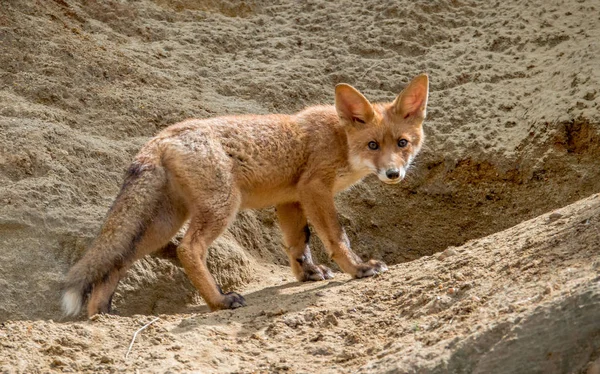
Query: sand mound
column 513, row 132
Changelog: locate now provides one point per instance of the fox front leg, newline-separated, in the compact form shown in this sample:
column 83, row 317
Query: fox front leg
column 296, row 236
column 318, row 205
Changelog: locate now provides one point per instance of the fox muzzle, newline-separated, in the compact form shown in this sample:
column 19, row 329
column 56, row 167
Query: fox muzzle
column 392, row 175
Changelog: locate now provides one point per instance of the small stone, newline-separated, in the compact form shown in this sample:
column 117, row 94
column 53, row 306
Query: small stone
column 181, row 359
column 57, row 362
column 330, row 320
column 275, row 313
column 554, row 216
column 352, row 339
column 449, row 252
column 293, row 322
column 322, row 351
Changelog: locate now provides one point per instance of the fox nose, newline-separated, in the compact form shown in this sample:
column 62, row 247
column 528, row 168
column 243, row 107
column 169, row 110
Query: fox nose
column 393, row 173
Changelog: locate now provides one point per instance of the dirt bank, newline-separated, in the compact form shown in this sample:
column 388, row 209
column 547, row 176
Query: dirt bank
column 513, row 132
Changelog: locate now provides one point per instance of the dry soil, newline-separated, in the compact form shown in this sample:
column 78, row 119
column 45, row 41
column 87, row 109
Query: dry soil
column 493, row 239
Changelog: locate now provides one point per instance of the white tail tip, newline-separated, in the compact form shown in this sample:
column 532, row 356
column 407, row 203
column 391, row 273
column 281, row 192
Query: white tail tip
column 71, row 302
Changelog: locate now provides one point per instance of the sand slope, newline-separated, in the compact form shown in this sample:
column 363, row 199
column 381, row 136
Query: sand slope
column 522, row 300
column 512, row 133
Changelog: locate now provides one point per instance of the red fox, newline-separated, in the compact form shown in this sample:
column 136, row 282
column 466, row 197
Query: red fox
column 207, row 170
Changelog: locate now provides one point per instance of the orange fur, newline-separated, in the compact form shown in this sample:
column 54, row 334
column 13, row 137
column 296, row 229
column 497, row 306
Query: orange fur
column 207, row 170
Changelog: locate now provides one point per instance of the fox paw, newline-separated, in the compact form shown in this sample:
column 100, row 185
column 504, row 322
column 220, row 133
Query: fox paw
column 232, row 300
column 370, row 268
column 312, row 272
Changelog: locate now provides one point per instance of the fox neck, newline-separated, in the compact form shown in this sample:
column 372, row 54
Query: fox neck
column 350, row 175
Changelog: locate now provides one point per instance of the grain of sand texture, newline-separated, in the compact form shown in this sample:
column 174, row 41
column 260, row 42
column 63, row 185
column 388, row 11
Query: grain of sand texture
column 493, row 239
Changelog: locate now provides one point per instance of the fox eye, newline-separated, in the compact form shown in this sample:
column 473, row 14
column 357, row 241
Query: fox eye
column 402, row 143
column 358, row 120
column 373, row 145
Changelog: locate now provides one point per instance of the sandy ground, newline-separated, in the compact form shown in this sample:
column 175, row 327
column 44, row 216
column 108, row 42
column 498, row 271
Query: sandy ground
column 478, row 284
column 487, row 306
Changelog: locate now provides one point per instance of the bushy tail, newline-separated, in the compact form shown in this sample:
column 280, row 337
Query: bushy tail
column 115, row 246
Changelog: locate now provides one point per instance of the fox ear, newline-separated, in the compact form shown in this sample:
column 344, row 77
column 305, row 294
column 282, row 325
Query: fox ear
column 351, row 105
column 412, row 101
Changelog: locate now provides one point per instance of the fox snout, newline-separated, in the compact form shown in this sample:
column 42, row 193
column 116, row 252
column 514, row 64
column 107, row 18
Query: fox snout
column 391, row 175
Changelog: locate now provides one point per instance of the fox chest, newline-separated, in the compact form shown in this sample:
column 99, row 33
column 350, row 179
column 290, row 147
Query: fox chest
column 345, row 179
column 264, row 196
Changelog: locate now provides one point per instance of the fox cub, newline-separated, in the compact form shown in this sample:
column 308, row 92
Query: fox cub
column 207, row 170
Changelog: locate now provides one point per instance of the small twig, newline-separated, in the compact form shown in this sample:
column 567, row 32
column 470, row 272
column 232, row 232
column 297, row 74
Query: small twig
column 369, row 69
column 137, row 332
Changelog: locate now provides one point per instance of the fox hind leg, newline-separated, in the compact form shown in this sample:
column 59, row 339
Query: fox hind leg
column 296, row 235
column 208, row 221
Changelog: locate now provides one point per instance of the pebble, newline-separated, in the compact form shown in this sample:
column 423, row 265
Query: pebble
column 322, row 351
column 330, row 320
column 554, row 216
column 449, row 252
column 58, row 362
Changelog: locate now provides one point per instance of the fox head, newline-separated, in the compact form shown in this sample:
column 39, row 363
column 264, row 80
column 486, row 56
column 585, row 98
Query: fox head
column 384, row 138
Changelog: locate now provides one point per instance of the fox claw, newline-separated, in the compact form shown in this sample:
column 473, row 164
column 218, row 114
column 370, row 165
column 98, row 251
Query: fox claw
column 233, row 300
column 317, row 273
column 313, row 272
column 370, row 268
